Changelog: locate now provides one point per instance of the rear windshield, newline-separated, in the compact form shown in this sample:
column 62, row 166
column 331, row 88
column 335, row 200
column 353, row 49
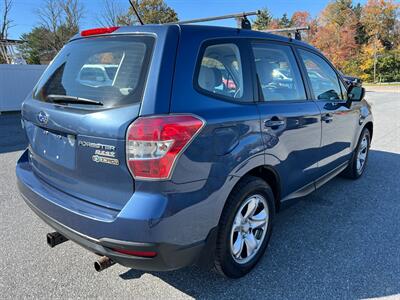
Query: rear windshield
column 109, row 69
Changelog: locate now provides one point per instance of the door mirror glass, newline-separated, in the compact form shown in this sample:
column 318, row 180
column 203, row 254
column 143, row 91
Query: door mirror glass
column 356, row 93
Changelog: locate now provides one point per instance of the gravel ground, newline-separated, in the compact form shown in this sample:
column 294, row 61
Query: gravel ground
column 342, row 241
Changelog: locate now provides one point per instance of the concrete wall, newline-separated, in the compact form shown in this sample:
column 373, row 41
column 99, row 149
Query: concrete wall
column 16, row 81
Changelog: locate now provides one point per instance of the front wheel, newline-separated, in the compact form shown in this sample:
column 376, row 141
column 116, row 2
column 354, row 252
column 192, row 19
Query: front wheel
column 359, row 159
column 245, row 227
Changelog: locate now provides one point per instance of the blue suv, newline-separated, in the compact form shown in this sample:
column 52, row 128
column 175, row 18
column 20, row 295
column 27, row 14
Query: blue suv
column 162, row 146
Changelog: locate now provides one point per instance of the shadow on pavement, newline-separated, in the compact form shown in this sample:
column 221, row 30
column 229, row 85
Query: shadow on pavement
column 341, row 241
column 12, row 136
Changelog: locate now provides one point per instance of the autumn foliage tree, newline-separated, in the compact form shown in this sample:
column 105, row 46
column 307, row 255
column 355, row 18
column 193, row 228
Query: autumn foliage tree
column 379, row 18
column 356, row 38
column 336, row 33
column 303, row 19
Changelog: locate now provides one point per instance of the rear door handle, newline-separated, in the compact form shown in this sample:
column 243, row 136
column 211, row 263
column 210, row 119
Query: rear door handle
column 327, row 118
column 274, row 123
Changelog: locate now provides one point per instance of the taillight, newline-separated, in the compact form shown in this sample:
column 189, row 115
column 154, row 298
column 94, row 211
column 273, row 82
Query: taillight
column 153, row 144
column 96, row 31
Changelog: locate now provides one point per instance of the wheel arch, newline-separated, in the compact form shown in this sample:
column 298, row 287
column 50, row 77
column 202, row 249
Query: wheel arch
column 269, row 175
column 370, row 127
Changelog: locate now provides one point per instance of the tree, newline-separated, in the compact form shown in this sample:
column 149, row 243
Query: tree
column 336, row 33
column 379, row 18
column 73, row 11
column 61, row 18
column 338, row 12
column 361, row 34
column 303, row 19
column 33, row 50
column 284, row 22
column 5, row 21
column 5, row 24
column 150, row 11
column 58, row 22
column 263, row 20
column 300, row 19
column 112, row 11
column 388, row 66
column 368, row 56
column 274, row 24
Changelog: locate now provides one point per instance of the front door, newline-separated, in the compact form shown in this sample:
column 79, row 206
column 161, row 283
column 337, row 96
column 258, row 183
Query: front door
column 338, row 119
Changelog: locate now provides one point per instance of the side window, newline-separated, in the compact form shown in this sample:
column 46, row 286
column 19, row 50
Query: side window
column 323, row 78
column 278, row 73
column 221, row 71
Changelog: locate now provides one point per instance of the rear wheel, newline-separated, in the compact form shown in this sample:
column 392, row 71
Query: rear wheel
column 245, row 227
column 359, row 159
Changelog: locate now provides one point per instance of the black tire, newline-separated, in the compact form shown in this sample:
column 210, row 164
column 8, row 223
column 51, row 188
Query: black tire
column 224, row 262
column 352, row 171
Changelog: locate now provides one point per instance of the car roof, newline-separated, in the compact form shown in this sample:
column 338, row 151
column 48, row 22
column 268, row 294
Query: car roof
column 220, row 31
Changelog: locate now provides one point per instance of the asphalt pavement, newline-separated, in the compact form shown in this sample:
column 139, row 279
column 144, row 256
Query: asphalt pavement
column 342, row 241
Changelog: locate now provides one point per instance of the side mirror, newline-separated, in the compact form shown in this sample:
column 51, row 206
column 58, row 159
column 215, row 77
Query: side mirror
column 356, row 93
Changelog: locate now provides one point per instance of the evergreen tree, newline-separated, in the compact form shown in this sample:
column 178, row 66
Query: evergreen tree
column 284, row 22
column 263, row 20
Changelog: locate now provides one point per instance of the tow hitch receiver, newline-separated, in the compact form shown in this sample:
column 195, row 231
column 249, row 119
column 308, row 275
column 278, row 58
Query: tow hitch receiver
column 55, row 238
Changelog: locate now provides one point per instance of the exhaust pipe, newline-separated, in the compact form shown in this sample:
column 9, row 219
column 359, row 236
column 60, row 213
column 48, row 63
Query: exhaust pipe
column 103, row 263
column 55, row 238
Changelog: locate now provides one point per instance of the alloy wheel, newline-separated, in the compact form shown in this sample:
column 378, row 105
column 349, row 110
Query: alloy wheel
column 362, row 154
column 249, row 228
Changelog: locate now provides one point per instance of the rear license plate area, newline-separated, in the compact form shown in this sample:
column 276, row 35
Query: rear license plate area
column 55, row 147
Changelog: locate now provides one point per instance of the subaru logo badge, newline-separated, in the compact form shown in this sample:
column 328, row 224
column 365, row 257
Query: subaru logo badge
column 43, row 117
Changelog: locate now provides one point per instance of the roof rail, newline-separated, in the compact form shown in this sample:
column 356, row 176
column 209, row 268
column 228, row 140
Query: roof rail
column 241, row 17
column 290, row 30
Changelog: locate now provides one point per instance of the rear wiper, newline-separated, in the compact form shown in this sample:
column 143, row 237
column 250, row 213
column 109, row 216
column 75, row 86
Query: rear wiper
column 72, row 99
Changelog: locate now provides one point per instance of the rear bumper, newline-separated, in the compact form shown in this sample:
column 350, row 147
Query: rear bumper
column 110, row 230
column 169, row 257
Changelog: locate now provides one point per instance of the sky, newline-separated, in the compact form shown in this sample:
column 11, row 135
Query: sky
column 25, row 18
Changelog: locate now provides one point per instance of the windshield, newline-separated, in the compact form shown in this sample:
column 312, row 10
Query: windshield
column 110, row 69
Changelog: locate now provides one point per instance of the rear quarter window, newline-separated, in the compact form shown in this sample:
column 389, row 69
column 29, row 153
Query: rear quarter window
column 220, row 72
column 110, row 69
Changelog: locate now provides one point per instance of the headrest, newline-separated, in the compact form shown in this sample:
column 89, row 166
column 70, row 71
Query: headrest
column 265, row 70
column 209, row 78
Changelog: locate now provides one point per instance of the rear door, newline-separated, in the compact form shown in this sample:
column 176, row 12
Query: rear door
column 77, row 119
column 338, row 118
column 290, row 122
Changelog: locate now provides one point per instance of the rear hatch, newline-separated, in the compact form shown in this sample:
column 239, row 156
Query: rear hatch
column 77, row 119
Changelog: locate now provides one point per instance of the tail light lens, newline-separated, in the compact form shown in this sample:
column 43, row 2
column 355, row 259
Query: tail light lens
column 155, row 143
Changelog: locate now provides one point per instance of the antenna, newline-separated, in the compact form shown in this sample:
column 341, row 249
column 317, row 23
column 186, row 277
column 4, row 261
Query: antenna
column 136, row 13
